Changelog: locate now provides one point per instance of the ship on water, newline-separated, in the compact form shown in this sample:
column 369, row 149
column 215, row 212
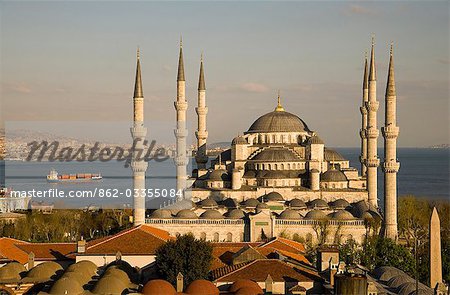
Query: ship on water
column 53, row 176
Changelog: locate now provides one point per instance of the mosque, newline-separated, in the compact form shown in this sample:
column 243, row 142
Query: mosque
column 279, row 178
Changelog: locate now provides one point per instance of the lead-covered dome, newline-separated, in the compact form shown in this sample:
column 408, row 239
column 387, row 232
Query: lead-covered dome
column 276, row 154
column 278, row 121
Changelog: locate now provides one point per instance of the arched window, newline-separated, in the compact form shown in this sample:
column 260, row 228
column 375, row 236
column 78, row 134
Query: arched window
column 229, row 237
column 203, row 236
column 216, row 237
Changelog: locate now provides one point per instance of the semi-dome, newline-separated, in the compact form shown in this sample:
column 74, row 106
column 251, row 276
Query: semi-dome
column 332, row 155
column 239, row 140
column 251, row 203
column 362, row 206
column 66, row 286
column 161, row 213
column 278, row 121
column 219, row 175
column 297, row 203
column 289, row 214
column 333, row 175
column 273, row 197
column 202, row 287
column 235, row 214
column 158, row 287
column 208, row 203
column 315, row 140
column 316, row 215
column 211, row 214
column 341, row 215
column 276, row 154
column 186, row 213
column 318, row 203
column 340, row 204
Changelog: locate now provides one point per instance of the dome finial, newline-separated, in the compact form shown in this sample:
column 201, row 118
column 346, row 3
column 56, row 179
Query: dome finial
column 279, row 107
column 138, row 52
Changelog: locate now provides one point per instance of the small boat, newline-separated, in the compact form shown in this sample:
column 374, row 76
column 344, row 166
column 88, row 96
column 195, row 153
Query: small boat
column 53, row 176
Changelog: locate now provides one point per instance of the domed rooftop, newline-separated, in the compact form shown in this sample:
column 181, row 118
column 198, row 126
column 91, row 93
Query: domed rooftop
column 362, row 206
column 278, row 121
column 235, row 214
column 251, row 203
column 117, row 274
column 297, row 203
column 262, row 206
column 315, row 140
column 186, row 213
column 219, row 175
column 161, row 213
column 341, row 215
column 340, row 204
column 158, row 287
column 318, row 203
column 208, row 203
column 44, row 271
column 289, row 214
column 272, row 197
column 245, row 285
column 276, row 154
column 66, row 286
column 11, row 272
column 230, row 203
column 399, row 280
column 239, row 140
column 202, row 287
column 333, row 175
column 211, row 214
column 81, row 277
column 385, row 273
column 316, row 215
column 109, row 285
column 332, row 155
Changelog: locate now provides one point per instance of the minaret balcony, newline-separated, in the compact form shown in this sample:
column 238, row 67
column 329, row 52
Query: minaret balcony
column 390, row 131
column 363, row 133
column 372, row 132
column 362, row 159
column 138, row 131
column 391, row 167
column 139, row 166
column 180, row 133
column 180, row 105
column 363, row 110
column 372, row 106
column 201, row 111
column 201, row 134
column 373, row 162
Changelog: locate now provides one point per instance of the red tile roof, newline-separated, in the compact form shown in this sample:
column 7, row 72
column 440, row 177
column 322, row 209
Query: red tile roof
column 49, row 251
column 285, row 245
column 10, row 252
column 140, row 240
column 259, row 269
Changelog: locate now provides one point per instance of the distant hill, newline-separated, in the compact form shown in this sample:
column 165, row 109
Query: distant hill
column 440, row 146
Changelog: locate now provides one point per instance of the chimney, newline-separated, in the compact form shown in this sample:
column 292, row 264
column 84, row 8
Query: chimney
column 81, row 245
column 333, row 272
column 30, row 260
column 180, row 282
column 269, row 284
column 118, row 256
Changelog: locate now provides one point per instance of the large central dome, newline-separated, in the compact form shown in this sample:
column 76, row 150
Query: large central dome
column 278, row 121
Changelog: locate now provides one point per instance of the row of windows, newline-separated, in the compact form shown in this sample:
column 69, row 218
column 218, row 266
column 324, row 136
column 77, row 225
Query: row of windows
column 277, row 166
column 276, row 138
column 216, row 237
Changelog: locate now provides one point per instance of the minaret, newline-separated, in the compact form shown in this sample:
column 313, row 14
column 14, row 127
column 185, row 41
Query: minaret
column 138, row 133
column 390, row 165
column 363, row 110
column 201, row 109
column 372, row 105
column 181, row 131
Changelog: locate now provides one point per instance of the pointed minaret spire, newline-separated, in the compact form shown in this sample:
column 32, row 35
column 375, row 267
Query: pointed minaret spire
column 180, row 76
column 363, row 109
column 138, row 91
column 390, row 87
column 201, row 79
column 279, row 107
column 366, row 73
column 373, row 70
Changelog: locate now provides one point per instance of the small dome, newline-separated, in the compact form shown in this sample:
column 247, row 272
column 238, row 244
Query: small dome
column 219, row 175
column 333, row 175
column 208, row 203
column 273, row 197
column 161, row 214
column 341, row 215
column 315, row 140
column 202, row 287
column 11, row 271
column 109, row 285
column 340, row 204
column 230, row 203
column 332, row 155
column 289, row 214
column 251, row 203
column 117, row 274
column 316, row 215
column 318, row 204
column 235, row 214
column 81, row 277
column 239, row 140
column 276, row 154
column 211, row 214
column 261, row 206
column 315, row 171
column 44, row 271
column 66, row 286
column 186, row 214
column 154, row 287
column 245, row 285
column 362, row 206
column 385, row 273
column 297, row 203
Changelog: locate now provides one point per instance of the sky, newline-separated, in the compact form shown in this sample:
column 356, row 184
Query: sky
column 68, row 67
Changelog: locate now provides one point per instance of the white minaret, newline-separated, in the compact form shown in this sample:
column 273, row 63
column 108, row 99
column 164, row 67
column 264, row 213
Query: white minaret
column 201, row 109
column 181, row 106
column 138, row 133
column 372, row 105
column 390, row 166
column 363, row 131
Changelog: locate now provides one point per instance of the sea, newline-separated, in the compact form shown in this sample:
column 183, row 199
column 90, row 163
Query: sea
column 424, row 172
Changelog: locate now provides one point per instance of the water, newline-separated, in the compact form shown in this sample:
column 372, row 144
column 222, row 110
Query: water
column 423, row 173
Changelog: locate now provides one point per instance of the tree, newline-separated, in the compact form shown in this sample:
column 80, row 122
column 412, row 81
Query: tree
column 186, row 254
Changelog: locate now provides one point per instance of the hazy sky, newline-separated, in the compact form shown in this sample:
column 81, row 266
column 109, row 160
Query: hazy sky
column 75, row 62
